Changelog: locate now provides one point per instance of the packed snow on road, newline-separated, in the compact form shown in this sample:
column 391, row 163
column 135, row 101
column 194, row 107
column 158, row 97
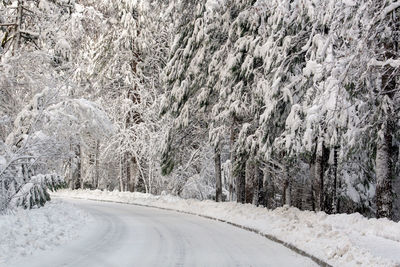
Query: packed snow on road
column 67, row 229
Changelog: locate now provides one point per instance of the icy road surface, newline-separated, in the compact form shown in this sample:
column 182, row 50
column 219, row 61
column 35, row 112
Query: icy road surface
column 128, row 235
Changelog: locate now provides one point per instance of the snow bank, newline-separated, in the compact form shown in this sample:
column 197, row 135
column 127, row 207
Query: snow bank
column 339, row 240
column 26, row 231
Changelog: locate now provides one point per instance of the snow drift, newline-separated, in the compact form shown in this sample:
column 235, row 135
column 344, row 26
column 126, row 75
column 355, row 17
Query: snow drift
column 27, row 231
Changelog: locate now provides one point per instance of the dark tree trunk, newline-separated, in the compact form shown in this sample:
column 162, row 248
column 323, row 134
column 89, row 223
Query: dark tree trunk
column 312, row 178
column 121, row 173
column 233, row 181
column 272, row 202
column 249, row 182
column 78, row 172
column 318, row 181
column 130, row 177
column 97, row 165
column 384, row 194
column 384, row 153
column 240, row 173
column 286, row 194
column 218, row 179
column 128, row 172
column 258, row 185
column 335, row 181
column 133, row 117
column 263, row 199
column 300, row 196
column 231, row 189
column 385, row 156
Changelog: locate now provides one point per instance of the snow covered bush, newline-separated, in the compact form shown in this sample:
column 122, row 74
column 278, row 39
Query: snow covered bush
column 18, row 188
column 34, row 193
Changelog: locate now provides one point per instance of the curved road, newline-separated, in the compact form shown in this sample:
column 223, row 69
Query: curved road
column 127, row 235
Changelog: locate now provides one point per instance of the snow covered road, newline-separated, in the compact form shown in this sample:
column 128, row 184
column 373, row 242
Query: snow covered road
column 129, row 235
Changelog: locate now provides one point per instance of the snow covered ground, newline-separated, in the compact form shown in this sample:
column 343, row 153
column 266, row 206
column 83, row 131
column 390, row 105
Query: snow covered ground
column 124, row 235
column 339, row 240
column 28, row 231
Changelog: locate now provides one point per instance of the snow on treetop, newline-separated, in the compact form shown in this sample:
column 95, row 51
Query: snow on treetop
column 212, row 5
column 84, row 113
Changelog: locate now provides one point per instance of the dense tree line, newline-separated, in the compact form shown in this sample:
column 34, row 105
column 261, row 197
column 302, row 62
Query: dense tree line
column 298, row 92
column 265, row 102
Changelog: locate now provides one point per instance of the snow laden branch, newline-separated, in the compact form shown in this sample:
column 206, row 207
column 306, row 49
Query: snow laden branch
column 394, row 63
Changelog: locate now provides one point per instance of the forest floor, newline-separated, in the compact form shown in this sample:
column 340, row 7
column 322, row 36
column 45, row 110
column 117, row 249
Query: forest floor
column 339, row 240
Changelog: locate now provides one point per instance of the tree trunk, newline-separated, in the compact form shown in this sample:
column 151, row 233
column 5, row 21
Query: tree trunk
column 258, row 185
column 233, row 182
column 241, row 182
column 218, row 180
column 78, row 170
column 384, row 153
column 384, row 194
column 335, row 182
column 150, row 178
column 249, row 181
column 318, row 181
column 228, row 177
column 339, row 199
column 121, row 179
column 272, row 201
column 239, row 171
column 286, row 197
column 264, row 190
column 312, row 196
column 128, row 172
column 231, row 185
column 96, row 165
column 300, row 195
column 17, row 28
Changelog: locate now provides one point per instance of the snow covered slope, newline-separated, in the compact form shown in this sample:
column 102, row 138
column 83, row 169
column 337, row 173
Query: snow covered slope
column 339, row 240
column 27, row 231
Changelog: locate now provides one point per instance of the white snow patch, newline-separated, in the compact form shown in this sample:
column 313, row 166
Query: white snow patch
column 3, row 163
column 79, row 8
column 313, row 68
column 349, row 2
column 212, row 5
column 27, row 231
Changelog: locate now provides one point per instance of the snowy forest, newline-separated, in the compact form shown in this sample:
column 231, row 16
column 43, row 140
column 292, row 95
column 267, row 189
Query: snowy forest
column 269, row 102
